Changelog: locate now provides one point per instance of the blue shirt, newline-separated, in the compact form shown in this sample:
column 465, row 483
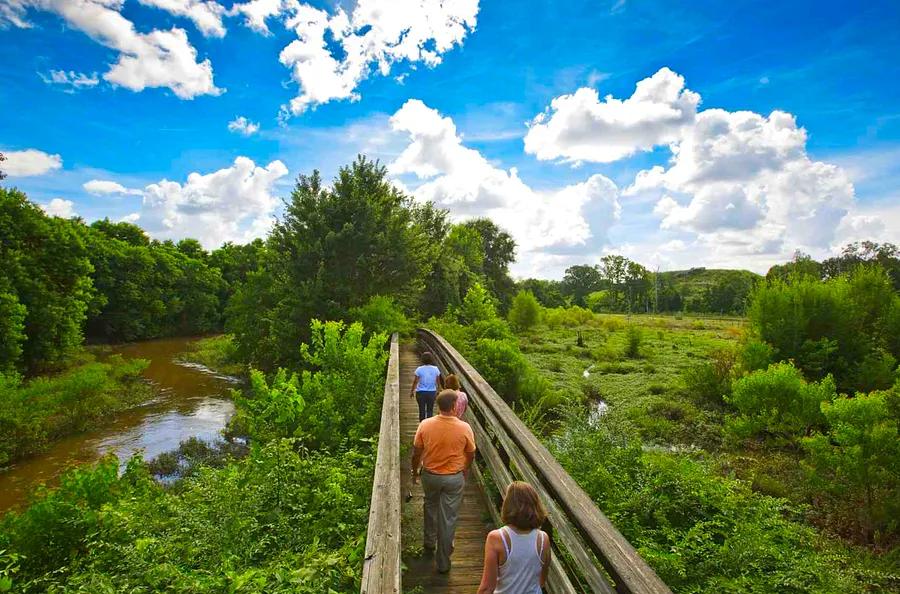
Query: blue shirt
column 427, row 375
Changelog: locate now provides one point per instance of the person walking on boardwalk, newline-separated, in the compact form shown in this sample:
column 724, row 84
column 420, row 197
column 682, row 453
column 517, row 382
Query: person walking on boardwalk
column 444, row 447
column 451, row 382
column 425, row 386
column 517, row 556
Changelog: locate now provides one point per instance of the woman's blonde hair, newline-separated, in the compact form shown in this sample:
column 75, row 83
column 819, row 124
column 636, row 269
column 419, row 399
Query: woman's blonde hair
column 522, row 507
column 451, row 382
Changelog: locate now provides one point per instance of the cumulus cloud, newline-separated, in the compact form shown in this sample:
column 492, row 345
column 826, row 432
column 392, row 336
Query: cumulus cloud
column 242, row 125
column 550, row 227
column 206, row 14
column 231, row 204
column 257, row 12
column 155, row 59
column 70, row 81
column 29, row 162
column 100, row 187
column 581, row 127
column 60, row 208
column 335, row 51
column 746, row 172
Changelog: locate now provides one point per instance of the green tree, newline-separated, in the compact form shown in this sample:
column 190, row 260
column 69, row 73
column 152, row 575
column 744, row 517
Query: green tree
column 333, row 250
column 525, row 312
column 865, row 253
column 478, row 306
column 127, row 232
column 580, row 281
column 12, row 328
column 45, row 266
column 857, row 460
column 499, row 249
column 802, row 266
column 547, row 292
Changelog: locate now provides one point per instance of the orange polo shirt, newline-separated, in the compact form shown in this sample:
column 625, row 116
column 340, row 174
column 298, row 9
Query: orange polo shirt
column 445, row 441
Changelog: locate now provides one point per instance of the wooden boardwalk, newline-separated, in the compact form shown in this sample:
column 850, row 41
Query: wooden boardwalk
column 474, row 518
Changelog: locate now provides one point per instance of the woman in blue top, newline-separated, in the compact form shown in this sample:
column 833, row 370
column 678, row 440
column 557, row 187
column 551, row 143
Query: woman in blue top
column 425, row 386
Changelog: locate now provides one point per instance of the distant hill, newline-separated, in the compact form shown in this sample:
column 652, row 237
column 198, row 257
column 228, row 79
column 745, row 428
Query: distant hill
column 706, row 289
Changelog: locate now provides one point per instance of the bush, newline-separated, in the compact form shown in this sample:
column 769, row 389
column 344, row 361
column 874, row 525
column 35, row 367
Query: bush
column 218, row 353
column 856, row 460
column 382, row 315
column 754, row 356
column 525, row 311
column 710, row 381
column 278, row 521
column 633, row 341
column 568, row 317
column 702, row 532
column 501, row 364
column 336, row 401
column 778, row 402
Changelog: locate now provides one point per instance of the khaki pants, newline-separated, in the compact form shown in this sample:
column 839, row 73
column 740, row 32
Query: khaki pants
column 443, row 494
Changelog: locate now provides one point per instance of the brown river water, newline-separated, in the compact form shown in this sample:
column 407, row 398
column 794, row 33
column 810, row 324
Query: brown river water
column 191, row 401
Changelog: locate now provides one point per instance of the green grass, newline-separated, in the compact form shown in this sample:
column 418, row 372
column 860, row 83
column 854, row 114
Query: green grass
column 218, row 353
column 647, row 391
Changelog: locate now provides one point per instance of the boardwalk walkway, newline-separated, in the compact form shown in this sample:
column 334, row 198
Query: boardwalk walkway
column 473, row 526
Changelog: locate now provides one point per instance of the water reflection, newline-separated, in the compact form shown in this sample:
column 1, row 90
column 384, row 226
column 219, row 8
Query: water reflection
column 192, row 402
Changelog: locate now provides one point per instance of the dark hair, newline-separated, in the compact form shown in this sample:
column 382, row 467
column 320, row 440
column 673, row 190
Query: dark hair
column 522, row 507
column 446, row 400
column 451, row 382
column 427, row 358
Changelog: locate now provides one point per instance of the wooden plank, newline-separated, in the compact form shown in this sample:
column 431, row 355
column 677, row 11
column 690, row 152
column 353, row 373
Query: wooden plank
column 564, row 532
column 381, row 565
column 629, row 571
column 473, row 524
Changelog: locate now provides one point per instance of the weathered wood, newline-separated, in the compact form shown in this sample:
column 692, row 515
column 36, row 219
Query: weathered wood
column 629, row 572
column 419, row 573
column 381, row 567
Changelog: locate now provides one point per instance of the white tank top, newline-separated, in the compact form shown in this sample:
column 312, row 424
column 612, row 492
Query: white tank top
column 521, row 572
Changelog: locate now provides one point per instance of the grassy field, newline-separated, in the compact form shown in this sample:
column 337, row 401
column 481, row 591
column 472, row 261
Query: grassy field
column 646, row 390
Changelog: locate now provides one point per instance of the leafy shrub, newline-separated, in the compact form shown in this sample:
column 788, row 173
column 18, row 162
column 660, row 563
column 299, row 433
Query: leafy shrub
column 633, row 340
column 710, row 382
column 338, row 399
column 382, row 315
column 755, row 355
column 856, row 460
column 478, row 305
column 501, row 364
column 218, row 353
column 778, row 402
column 525, row 311
column 702, row 532
column 278, row 521
column 568, row 317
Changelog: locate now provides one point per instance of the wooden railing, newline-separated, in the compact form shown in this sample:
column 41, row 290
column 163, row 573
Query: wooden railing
column 381, row 567
column 590, row 555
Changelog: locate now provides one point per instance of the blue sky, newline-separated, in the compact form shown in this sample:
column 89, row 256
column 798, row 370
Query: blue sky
column 568, row 194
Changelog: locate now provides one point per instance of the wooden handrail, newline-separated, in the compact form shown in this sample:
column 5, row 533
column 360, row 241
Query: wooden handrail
column 381, row 567
column 510, row 450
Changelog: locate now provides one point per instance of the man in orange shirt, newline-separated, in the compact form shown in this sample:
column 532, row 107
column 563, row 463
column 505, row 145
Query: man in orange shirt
column 444, row 446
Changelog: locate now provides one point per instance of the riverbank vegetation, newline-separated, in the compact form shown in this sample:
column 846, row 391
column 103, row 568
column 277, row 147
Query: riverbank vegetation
column 35, row 412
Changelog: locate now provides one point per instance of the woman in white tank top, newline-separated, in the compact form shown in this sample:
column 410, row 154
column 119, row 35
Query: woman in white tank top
column 517, row 556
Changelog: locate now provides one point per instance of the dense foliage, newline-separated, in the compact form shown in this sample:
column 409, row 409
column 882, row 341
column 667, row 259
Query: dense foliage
column 845, row 326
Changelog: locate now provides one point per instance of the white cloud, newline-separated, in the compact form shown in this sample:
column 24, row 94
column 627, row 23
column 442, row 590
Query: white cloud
column 376, row 33
column 581, row 127
column 550, row 227
column 29, row 162
column 155, row 59
column 71, row 81
column 243, row 126
column 133, row 217
column 231, row 204
column 99, row 187
column 206, row 14
column 60, row 208
column 741, row 171
column 256, row 12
